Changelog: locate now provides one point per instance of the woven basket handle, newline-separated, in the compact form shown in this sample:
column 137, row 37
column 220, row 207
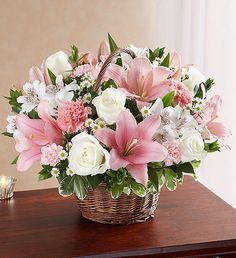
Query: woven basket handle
column 108, row 61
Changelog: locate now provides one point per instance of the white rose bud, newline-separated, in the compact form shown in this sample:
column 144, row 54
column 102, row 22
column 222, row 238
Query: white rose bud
column 192, row 146
column 58, row 63
column 195, row 77
column 110, row 104
column 87, row 156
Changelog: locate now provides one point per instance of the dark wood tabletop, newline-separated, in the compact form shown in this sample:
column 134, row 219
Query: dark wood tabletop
column 190, row 222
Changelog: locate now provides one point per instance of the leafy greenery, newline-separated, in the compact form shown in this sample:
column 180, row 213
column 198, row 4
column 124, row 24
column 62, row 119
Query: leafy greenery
column 73, row 58
column 168, row 99
column 166, row 61
column 208, row 84
column 33, row 114
column 157, row 53
column 80, row 187
column 94, row 181
column 66, row 187
column 132, row 106
column 108, row 84
column 112, row 43
column 7, row 134
column 12, row 100
column 45, row 173
column 153, row 175
column 170, row 179
column 204, row 86
column 52, row 77
column 15, row 160
column 212, row 146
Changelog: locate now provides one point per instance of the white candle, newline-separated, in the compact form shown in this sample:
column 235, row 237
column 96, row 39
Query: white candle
column 6, row 187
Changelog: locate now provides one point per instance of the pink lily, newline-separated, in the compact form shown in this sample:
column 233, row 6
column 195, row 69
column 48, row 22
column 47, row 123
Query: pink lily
column 142, row 81
column 33, row 134
column 175, row 61
column 132, row 145
column 213, row 130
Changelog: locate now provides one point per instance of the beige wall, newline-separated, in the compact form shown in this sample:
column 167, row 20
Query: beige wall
column 30, row 30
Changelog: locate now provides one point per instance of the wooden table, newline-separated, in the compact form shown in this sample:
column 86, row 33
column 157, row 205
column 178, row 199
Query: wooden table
column 190, row 222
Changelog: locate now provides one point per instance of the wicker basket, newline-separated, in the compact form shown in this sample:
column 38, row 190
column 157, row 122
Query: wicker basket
column 100, row 207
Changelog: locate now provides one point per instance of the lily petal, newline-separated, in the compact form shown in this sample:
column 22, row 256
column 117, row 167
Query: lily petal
column 27, row 158
column 125, row 128
column 116, row 160
column 148, row 127
column 106, row 136
column 139, row 173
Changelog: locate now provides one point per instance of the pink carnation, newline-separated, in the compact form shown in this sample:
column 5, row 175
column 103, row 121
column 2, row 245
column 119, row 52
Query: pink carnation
column 50, row 154
column 174, row 155
column 83, row 69
column 183, row 95
column 72, row 115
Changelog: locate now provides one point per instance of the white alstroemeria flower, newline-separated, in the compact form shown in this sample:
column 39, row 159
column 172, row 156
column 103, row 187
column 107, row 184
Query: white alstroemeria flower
column 58, row 63
column 175, row 121
column 11, row 127
column 192, row 146
column 34, row 93
column 109, row 104
column 87, row 156
column 195, row 77
column 139, row 52
column 60, row 93
column 157, row 107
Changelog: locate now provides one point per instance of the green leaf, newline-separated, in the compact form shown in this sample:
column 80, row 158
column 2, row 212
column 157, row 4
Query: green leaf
column 74, row 55
column 116, row 191
column 137, row 188
column 170, row 179
column 154, row 178
column 66, row 187
column 166, row 61
column 209, row 83
column 161, row 52
column 199, row 91
column 132, row 106
column 112, row 43
column 7, row 134
column 52, row 76
column 94, row 181
column 33, row 114
column 184, row 167
column 168, row 99
column 80, row 187
column 15, row 160
column 12, row 100
column 155, row 165
column 212, row 147
column 44, row 174
column 108, row 84
column 195, row 163
column 157, row 53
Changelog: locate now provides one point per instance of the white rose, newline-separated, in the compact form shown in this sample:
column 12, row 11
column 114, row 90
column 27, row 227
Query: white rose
column 58, row 63
column 195, row 77
column 87, row 156
column 192, row 146
column 110, row 104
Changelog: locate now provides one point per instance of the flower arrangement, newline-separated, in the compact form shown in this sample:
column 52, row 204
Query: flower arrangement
column 134, row 120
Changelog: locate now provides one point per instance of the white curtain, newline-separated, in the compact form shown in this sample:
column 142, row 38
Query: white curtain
column 204, row 33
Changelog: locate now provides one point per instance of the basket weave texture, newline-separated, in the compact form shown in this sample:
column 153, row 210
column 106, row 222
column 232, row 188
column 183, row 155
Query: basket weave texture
column 99, row 206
